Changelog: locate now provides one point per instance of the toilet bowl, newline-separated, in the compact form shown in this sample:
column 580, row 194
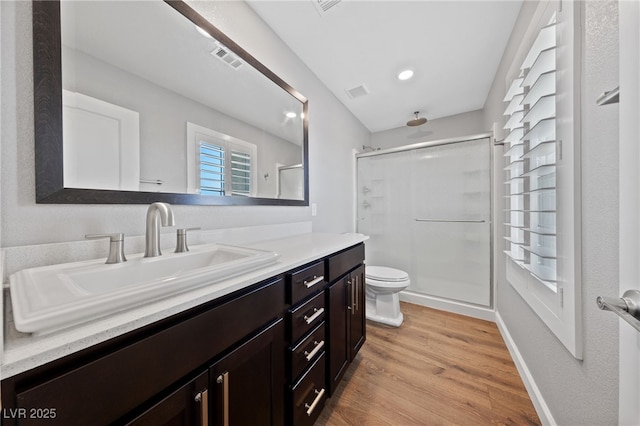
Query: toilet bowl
column 382, row 288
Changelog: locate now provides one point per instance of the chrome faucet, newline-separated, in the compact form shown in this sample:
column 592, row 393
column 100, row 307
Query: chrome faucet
column 156, row 214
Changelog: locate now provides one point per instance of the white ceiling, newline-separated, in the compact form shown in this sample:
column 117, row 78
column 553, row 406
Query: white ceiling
column 454, row 47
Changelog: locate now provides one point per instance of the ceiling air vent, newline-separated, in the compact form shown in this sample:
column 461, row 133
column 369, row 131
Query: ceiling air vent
column 324, row 6
column 358, row 91
column 227, row 56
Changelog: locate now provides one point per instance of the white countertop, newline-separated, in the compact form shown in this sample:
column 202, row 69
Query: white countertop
column 23, row 352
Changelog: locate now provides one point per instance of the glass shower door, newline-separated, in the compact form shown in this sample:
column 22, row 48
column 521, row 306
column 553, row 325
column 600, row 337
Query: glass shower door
column 384, row 195
column 451, row 221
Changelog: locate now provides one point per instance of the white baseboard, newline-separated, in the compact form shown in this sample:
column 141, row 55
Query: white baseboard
column 534, row 393
column 448, row 305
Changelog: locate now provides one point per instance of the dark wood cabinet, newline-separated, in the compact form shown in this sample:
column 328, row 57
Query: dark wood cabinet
column 185, row 406
column 247, row 385
column 357, row 315
column 244, row 387
column 123, row 378
column 269, row 354
column 346, row 305
column 338, row 327
column 309, row 394
column 306, row 338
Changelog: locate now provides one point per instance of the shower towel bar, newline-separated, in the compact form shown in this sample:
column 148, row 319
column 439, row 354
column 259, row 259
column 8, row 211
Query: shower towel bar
column 451, row 220
column 154, row 181
column 627, row 307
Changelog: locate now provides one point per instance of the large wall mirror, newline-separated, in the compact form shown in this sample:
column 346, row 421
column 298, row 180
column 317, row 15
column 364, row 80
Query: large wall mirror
column 142, row 101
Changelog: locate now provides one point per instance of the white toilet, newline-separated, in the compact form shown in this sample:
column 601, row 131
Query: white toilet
column 382, row 287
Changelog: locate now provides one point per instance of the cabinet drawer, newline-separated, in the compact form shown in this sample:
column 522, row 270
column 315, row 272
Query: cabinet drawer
column 147, row 367
column 305, row 282
column 309, row 395
column 305, row 317
column 343, row 262
column 309, row 349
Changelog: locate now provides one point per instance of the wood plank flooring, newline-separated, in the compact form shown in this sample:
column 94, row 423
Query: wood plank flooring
column 439, row 368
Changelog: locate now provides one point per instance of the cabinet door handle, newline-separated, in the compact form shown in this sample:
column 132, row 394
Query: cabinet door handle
column 203, row 399
column 354, row 297
column 316, row 349
column 315, row 280
column 349, row 290
column 357, row 298
column 316, row 313
column 224, row 380
column 316, row 401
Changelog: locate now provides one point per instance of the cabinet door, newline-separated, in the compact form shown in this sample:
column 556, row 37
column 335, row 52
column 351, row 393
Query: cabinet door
column 338, row 300
column 184, row 407
column 247, row 385
column 357, row 317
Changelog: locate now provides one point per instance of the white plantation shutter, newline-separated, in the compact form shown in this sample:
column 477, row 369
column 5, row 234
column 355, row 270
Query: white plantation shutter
column 240, row 172
column 220, row 164
column 211, row 166
column 541, row 207
column 531, row 171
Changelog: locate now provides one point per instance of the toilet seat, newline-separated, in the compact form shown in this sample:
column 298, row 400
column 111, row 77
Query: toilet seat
column 385, row 274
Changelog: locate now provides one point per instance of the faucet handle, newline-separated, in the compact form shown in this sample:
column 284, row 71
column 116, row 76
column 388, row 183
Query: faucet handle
column 116, row 246
column 181, row 243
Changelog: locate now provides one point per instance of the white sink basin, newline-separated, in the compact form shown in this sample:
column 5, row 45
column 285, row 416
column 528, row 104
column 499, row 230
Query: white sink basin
column 52, row 297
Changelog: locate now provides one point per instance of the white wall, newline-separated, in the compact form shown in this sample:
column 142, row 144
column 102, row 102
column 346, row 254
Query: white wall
column 465, row 124
column 577, row 392
column 25, row 222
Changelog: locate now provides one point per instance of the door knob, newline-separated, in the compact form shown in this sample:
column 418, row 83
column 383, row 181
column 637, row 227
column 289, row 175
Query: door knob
column 627, row 307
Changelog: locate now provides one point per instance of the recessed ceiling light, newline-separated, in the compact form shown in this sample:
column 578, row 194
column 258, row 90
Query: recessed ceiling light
column 291, row 115
column 405, row 75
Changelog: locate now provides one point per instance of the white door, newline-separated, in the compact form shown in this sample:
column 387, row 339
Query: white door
column 629, row 204
column 101, row 144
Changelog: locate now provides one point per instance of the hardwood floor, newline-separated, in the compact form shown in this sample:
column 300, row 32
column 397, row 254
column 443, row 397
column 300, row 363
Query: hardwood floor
column 438, row 368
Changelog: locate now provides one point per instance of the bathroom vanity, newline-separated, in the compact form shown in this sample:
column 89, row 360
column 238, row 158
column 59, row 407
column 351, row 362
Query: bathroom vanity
column 267, row 352
column 127, row 343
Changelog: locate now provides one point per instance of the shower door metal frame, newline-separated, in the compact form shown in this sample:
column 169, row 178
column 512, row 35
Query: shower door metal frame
column 449, row 141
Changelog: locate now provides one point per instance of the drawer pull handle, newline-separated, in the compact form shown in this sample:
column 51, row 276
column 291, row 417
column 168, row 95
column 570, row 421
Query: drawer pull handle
column 316, row 401
column 203, row 399
column 316, row 349
column 316, row 313
column 314, row 281
column 223, row 379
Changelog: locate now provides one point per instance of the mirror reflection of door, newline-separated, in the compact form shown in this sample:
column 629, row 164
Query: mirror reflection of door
column 101, row 144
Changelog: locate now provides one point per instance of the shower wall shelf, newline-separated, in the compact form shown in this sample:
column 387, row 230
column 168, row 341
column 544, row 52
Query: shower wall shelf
column 611, row 97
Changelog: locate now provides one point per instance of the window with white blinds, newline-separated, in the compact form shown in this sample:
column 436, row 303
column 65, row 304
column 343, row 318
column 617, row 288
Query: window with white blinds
column 240, row 172
column 211, row 167
column 224, row 169
column 219, row 164
column 542, row 172
column 531, row 162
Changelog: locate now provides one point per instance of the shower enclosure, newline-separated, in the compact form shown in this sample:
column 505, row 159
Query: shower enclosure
column 427, row 210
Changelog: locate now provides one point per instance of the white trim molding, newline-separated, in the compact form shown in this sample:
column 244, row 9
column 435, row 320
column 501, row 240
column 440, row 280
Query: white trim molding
column 544, row 413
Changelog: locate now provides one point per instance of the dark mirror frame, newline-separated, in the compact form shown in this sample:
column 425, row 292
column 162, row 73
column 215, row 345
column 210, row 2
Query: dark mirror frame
column 47, row 65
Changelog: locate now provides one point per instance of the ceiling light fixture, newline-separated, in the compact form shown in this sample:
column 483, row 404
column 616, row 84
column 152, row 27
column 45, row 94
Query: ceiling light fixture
column 291, row 115
column 416, row 121
column 405, row 75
